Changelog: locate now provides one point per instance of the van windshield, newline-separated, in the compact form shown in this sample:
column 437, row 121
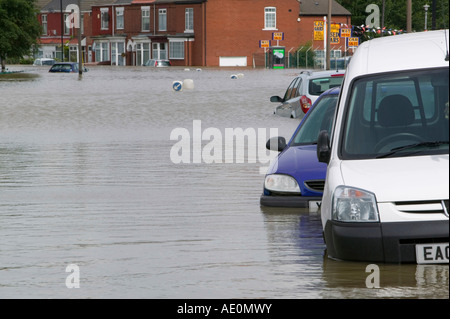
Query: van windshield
column 397, row 114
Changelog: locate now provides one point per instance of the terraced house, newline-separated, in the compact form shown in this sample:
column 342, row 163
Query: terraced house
column 188, row 32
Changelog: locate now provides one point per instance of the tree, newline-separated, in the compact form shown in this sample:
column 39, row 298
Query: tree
column 395, row 13
column 19, row 28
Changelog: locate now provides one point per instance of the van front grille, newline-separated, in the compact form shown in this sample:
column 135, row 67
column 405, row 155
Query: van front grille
column 423, row 207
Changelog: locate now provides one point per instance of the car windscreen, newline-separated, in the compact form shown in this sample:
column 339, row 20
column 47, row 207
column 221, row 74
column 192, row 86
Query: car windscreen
column 397, row 114
column 318, row 119
column 319, row 85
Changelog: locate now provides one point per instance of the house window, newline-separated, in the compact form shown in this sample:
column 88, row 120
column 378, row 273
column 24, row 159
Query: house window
column 44, row 23
column 104, row 18
column 145, row 20
column 101, row 51
column 117, row 53
column 66, row 29
column 189, row 20
column 159, row 51
column 142, row 53
column 119, row 18
column 162, row 20
column 176, row 50
column 270, row 18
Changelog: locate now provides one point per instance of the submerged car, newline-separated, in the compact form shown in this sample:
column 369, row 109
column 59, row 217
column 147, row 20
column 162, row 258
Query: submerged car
column 66, row 67
column 304, row 91
column 386, row 195
column 158, row 63
column 296, row 178
column 44, row 61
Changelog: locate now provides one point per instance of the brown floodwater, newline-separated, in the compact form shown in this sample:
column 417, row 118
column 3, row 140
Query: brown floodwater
column 111, row 173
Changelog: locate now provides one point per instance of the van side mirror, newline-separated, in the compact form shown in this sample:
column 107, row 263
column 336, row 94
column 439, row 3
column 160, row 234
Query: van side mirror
column 276, row 144
column 323, row 147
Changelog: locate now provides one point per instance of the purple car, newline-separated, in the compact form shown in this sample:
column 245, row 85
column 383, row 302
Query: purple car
column 296, row 178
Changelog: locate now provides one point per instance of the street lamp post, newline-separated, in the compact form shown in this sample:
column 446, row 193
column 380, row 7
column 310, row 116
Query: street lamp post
column 426, row 16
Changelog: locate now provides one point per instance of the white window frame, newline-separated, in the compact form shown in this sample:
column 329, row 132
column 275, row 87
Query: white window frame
column 120, row 21
column 178, row 54
column 66, row 29
column 189, row 20
column 143, row 52
column 104, row 23
column 270, row 18
column 117, row 49
column 162, row 19
column 101, row 51
column 145, row 16
column 44, row 24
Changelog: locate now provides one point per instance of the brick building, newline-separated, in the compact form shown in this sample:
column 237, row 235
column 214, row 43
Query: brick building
column 188, row 32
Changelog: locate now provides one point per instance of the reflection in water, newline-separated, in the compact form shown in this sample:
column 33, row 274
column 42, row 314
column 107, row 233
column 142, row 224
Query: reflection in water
column 86, row 178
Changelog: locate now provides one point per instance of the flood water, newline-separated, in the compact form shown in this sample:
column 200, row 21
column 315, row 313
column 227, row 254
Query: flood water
column 90, row 178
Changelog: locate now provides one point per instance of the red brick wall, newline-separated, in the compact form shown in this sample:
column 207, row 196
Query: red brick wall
column 235, row 27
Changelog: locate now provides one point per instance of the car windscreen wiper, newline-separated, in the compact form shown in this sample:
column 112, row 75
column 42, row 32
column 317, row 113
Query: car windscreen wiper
column 412, row 146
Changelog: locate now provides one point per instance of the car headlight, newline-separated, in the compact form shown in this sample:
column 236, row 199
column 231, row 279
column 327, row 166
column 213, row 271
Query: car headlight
column 281, row 184
column 354, row 205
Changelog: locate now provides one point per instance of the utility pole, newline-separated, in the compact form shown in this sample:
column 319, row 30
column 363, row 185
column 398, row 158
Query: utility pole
column 328, row 55
column 408, row 16
column 62, row 30
column 80, row 48
column 382, row 17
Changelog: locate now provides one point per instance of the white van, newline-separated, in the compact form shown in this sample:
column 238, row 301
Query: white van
column 386, row 196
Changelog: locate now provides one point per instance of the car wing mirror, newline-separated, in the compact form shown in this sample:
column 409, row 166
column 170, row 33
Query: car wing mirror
column 276, row 144
column 276, row 99
column 323, row 147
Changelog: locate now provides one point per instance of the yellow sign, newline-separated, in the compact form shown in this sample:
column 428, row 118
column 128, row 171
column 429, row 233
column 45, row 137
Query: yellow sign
column 353, row 42
column 318, row 30
column 278, row 36
column 334, row 38
column 346, row 32
column 264, row 43
column 335, row 27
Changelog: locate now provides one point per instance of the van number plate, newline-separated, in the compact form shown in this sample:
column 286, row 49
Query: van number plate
column 432, row 253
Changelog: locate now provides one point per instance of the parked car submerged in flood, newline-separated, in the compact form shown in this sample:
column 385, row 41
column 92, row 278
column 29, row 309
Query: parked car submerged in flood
column 304, row 91
column 44, row 61
column 66, row 67
column 296, row 178
column 158, row 63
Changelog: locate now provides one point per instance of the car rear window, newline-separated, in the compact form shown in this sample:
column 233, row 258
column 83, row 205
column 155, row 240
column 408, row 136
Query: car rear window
column 320, row 85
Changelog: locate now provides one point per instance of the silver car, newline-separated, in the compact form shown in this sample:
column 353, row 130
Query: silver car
column 304, row 91
column 157, row 63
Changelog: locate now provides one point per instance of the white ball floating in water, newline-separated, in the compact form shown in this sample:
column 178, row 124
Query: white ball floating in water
column 188, row 84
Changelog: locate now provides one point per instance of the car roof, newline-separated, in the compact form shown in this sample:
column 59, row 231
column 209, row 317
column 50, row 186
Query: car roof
column 319, row 74
column 400, row 52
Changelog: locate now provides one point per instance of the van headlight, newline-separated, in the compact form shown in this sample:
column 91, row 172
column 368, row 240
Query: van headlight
column 279, row 183
column 354, row 205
